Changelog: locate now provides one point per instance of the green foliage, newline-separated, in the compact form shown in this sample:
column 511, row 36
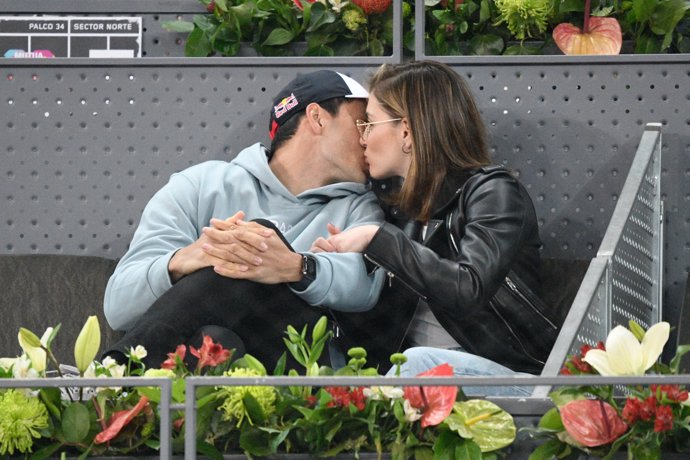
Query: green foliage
column 273, row 27
column 492, row 27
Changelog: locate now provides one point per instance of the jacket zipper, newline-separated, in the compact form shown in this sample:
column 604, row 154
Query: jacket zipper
column 522, row 296
column 392, row 275
column 524, row 349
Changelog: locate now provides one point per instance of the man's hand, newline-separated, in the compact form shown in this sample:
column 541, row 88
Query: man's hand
column 263, row 256
column 195, row 257
column 354, row 239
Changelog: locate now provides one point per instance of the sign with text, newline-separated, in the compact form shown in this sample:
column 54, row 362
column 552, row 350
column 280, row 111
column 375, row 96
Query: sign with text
column 69, row 36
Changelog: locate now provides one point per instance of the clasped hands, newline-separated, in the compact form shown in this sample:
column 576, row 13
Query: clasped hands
column 248, row 250
column 240, row 250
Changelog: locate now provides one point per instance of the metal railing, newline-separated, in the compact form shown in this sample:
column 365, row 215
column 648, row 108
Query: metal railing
column 624, row 280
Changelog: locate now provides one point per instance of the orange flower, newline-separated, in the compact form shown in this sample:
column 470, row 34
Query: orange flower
column 210, row 353
column 436, row 403
column 119, row 420
column 171, row 362
column 592, row 422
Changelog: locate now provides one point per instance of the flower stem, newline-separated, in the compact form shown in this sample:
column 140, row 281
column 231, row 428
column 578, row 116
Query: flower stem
column 585, row 25
column 52, row 358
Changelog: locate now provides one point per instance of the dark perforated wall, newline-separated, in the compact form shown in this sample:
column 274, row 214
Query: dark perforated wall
column 85, row 143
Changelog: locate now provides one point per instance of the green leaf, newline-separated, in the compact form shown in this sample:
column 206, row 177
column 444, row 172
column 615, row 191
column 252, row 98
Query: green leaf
column 675, row 362
column 205, row 23
column 51, row 399
column 278, row 36
column 647, row 45
column 46, row 452
column 222, row 5
column 551, row 420
column 255, row 442
column 75, row 422
column 483, row 421
column 254, row 411
column 487, row 44
column 254, row 364
column 667, row 15
column 569, row 6
column 467, row 450
column 563, row 396
column 52, row 335
column 643, row 9
column 198, row 44
column 208, row 450
column 178, row 26
column 376, row 48
column 484, row 12
column 547, row 451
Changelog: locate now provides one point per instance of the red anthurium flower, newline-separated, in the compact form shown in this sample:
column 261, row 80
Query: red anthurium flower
column 436, row 403
column 171, row 363
column 119, row 420
column 210, row 354
column 592, row 422
column 597, row 36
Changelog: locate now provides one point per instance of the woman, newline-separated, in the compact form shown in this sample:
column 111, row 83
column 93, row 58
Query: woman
column 470, row 249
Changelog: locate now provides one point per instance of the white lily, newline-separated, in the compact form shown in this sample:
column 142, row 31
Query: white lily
column 7, row 363
column 625, row 355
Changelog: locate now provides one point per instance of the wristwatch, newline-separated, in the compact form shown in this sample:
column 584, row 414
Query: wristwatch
column 308, row 273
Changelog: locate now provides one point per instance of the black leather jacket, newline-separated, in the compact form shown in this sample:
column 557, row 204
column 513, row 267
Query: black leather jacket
column 477, row 269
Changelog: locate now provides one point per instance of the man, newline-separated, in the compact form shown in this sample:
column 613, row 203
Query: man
column 187, row 264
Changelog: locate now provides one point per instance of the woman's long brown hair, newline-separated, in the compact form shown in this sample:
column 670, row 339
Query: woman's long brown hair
column 447, row 129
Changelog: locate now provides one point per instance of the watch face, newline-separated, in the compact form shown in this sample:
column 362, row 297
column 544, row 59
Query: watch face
column 308, row 267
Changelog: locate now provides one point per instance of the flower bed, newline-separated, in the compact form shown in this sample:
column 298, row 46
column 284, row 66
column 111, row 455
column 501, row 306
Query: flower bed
column 455, row 27
column 237, row 410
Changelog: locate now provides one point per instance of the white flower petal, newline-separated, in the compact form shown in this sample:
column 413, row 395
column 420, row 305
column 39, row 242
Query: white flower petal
column 653, row 343
column 599, row 360
column 624, row 352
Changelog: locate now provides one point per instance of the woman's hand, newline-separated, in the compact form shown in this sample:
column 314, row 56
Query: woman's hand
column 354, row 239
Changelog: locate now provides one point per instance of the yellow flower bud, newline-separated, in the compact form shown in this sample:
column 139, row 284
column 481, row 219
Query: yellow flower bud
column 87, row 344
column 31, row 345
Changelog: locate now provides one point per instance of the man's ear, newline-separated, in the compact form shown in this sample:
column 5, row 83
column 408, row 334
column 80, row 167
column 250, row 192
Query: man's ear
column 314, row 114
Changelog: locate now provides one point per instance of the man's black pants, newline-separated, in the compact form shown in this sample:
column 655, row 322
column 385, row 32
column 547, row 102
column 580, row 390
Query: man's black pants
column 257, row 313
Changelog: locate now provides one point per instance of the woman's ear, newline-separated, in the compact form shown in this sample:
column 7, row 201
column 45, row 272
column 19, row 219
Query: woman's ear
column 406, row 135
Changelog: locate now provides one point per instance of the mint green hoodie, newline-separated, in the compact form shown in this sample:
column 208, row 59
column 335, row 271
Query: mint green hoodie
column 176, row 214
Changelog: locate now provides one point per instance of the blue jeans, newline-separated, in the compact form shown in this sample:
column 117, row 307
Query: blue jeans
column 420, row 359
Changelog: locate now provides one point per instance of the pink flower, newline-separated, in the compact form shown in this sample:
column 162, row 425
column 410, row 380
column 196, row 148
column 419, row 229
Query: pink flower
column 171, row 362
column 210, row 354
column 119, row 420
column 436, row 403
column 592, row 422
